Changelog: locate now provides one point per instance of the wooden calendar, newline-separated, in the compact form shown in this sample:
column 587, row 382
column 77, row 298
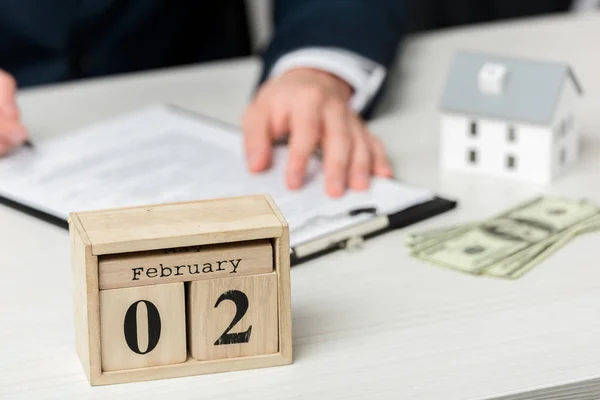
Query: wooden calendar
column 181, row 289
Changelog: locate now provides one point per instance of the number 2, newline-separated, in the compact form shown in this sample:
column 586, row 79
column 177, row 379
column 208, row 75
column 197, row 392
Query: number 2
column 241, row 306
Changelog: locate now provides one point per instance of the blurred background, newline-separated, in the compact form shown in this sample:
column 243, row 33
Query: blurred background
column 427, row 15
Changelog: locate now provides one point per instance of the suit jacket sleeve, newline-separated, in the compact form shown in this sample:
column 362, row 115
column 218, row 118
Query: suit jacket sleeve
column 371, row 28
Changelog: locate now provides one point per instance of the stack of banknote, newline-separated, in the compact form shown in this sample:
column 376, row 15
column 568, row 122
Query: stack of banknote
column 510, row 244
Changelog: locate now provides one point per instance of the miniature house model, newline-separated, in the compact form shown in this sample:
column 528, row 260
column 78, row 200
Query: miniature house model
column 509, row 117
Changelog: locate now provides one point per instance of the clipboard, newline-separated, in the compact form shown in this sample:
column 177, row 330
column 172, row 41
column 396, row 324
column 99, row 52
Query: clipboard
column 373, row 221
column 353, row 238
column 319, row 247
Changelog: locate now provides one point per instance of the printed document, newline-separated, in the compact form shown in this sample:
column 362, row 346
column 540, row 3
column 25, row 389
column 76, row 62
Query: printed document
column 162, row 154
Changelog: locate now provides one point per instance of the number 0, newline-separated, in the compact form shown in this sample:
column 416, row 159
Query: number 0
column 241, row 306
column 130, row 327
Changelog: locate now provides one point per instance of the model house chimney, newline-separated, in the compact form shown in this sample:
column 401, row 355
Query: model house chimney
column 492, row 78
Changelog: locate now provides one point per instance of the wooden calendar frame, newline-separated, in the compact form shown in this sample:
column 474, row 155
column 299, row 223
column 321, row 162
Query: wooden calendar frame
column 133, row 229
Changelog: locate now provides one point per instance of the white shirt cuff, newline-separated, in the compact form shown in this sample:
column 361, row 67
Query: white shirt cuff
column 364, row 75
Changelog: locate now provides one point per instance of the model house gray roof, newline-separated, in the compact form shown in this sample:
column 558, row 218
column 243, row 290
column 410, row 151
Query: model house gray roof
column 531, row 89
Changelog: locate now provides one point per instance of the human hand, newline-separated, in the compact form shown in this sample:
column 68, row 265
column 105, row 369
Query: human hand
column 12, row 133
column 311, row 106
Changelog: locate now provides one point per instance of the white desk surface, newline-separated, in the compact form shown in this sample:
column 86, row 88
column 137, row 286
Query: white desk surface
column 374, row 324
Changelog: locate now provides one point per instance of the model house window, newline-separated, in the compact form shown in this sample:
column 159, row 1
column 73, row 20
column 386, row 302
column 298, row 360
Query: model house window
column 472, row 156
column 563, row 156
column 511, row 162
column 473, row 128
column 563, row 127
column 512, row 134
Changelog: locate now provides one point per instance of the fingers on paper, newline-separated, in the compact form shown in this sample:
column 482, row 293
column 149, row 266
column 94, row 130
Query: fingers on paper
column 257, row 138
column 361, row 157
column 313, row 117
column 12, row 134
column 306, row 126
column 8, row 87
column 381, row 163
column 337, row 147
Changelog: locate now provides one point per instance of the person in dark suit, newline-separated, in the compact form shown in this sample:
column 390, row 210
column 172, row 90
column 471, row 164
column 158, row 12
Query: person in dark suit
column 424, row 15
column 322, row 72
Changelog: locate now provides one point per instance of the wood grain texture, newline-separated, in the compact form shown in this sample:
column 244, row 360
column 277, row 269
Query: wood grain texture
column 248, row 301
column 282, row 262
column 86, row 302
column 185, row 264
column 180, row 224
column 138, row 334
column 192, row 367
column 241, row 252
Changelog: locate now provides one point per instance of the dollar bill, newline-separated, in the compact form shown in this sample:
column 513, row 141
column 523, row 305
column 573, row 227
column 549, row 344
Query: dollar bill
column 507, row 267
column 426, row 239
column 414, row 238
column 592, row 225
column 509, row 242
column 517, row 265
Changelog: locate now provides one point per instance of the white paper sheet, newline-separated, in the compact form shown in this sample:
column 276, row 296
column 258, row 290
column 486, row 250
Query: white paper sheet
column 161, row 154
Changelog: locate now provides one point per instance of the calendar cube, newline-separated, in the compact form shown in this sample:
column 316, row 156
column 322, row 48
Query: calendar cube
column 181, row 289
column 142, row 326
column 233, row 317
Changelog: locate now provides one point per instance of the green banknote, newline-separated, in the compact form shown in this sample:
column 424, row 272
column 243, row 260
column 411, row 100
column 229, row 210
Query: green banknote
column 588, row 226
column 509, row 241
column 413, row 238
column 421, row 240
column 505, row 268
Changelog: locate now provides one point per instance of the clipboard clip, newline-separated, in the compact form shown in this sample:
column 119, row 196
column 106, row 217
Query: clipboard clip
column 354, row 243
column 326, row 218
column 350, row 239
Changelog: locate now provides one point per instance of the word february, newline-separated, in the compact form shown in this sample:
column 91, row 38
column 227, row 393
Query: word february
column 185, row 264
column 180, row 270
